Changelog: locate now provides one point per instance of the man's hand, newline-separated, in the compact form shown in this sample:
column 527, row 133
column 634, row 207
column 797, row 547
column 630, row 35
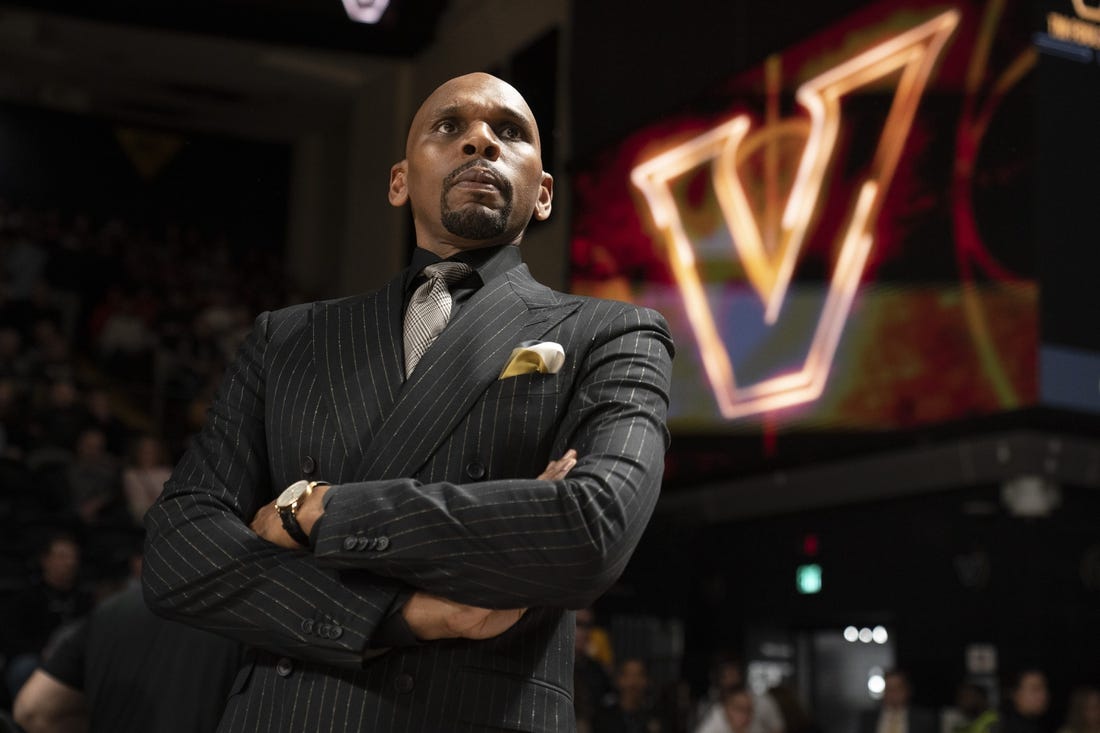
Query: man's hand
column 431, row 617
column 557, row 469
column 268, row 524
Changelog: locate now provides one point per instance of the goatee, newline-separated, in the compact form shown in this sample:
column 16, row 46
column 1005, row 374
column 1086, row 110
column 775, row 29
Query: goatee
column 475, row 222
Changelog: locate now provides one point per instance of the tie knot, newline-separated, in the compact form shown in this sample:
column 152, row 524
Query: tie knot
column 448, row 272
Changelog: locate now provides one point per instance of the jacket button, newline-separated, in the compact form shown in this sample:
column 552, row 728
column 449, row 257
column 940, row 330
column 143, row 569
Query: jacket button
column 362, row 543
column 336, row 631
column 323, row 630
column 383, row 543
column 404, row 683
column 308, row 465
column 307, row 626
column 475, row 470
column 284, row 667
column 350, row 542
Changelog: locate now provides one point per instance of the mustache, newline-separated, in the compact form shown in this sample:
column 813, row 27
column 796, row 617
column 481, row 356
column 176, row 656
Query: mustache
column 504, row 184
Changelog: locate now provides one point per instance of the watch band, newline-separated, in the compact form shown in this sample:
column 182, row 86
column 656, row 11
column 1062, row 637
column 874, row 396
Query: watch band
column 290, row 524
column 289, row 516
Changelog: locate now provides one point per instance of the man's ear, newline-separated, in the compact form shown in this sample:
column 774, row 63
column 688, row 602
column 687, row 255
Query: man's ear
column 399, row 191
column 546, row 195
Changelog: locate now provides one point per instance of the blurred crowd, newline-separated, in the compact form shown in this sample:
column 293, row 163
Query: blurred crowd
column 618, row 696
column 113, row 337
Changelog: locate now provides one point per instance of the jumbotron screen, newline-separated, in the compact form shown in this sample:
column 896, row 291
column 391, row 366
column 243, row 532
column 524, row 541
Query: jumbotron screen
column 841, row 237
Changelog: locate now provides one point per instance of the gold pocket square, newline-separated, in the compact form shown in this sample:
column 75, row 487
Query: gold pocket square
column 543, row 357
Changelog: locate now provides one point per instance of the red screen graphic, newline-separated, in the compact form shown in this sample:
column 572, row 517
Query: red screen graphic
column 841, row 237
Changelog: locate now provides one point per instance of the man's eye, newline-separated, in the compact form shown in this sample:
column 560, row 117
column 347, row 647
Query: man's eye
column 511, row 132
column 447, row 127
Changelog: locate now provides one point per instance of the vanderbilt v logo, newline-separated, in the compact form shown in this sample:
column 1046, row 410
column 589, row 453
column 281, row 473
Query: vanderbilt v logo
column 769, row 257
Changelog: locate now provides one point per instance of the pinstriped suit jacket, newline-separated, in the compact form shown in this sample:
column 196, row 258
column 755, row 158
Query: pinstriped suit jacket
column 432, row 491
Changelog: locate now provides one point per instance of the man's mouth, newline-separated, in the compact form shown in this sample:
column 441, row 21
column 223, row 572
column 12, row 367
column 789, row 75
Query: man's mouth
column 478, row 179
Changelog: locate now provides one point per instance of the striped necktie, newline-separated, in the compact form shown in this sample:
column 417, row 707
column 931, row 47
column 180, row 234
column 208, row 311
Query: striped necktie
column 430, row 309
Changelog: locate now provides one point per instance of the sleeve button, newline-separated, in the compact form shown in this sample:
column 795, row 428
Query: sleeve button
column 362, row 543
column 383, row 543
column 336, row 631
column 350, row 541
column 307, row 626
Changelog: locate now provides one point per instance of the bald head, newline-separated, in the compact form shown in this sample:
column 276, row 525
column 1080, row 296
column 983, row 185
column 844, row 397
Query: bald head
column 472, row 172
column 452, row 93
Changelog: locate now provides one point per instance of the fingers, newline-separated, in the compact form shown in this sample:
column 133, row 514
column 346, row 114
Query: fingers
column 557, row 469
column 432, row 617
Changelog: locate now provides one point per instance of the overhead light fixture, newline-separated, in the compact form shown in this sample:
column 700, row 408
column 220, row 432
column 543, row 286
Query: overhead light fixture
column 366, row 11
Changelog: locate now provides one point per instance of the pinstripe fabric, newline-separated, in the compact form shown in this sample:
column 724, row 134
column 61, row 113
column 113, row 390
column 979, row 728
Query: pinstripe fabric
column 432, row 491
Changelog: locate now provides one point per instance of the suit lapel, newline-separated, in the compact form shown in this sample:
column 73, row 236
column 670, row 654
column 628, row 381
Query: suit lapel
column 357, row 345
column 462, row 363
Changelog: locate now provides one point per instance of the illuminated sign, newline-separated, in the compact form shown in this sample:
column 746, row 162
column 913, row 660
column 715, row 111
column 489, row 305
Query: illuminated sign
column 841, row 237
column 1080, row 31
column 904, row 61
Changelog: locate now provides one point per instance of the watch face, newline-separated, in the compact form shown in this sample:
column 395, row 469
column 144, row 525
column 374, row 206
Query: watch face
column 293, row 493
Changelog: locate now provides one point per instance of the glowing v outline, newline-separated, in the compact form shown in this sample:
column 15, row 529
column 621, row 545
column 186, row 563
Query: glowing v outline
column 915, row 53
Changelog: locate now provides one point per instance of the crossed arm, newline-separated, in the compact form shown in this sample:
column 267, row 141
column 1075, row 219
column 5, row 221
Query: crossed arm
column 207, row 566
column 429, row 617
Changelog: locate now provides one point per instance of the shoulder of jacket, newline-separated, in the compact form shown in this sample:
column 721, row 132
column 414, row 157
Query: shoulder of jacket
column 614, row 309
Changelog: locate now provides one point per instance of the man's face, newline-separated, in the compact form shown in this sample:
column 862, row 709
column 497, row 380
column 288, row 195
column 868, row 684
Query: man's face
column 473, row 167
column 632, row 679
column 60, row 563
column 738, row 707
column 1031, row 697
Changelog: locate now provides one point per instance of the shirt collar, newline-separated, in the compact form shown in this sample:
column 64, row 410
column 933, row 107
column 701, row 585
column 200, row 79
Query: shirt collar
column 488, row 262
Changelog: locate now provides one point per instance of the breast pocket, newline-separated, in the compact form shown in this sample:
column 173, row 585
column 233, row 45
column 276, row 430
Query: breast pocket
column 524, row 386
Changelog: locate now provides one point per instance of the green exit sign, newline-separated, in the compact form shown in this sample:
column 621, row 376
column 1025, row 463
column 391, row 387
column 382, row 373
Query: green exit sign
column 808, row 579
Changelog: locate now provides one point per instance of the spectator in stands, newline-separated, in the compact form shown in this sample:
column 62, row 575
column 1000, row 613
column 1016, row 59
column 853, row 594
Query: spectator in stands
column 726, row 675
column 58, row 423
column 13, row 360
column 52, row 599
column 1084, row 711
column 101, row 414
column 733, row 714
column 101, row 676
column 144, row 476
column 94, row 477
column 591, row 685
column 972, row 712
column 896, row 714
column 1026, row 703
column 632, row 710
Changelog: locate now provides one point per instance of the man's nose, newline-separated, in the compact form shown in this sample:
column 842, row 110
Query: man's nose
column 481, row 140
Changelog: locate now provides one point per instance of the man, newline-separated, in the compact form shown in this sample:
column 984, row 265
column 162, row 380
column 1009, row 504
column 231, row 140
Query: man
column 53, row 599
column 896, row 715
column 1027, row 702
column 124, row 670
column 735, row 713
column 972, row 712
column 726, row 677
column 428, row 586
column 631, row 711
